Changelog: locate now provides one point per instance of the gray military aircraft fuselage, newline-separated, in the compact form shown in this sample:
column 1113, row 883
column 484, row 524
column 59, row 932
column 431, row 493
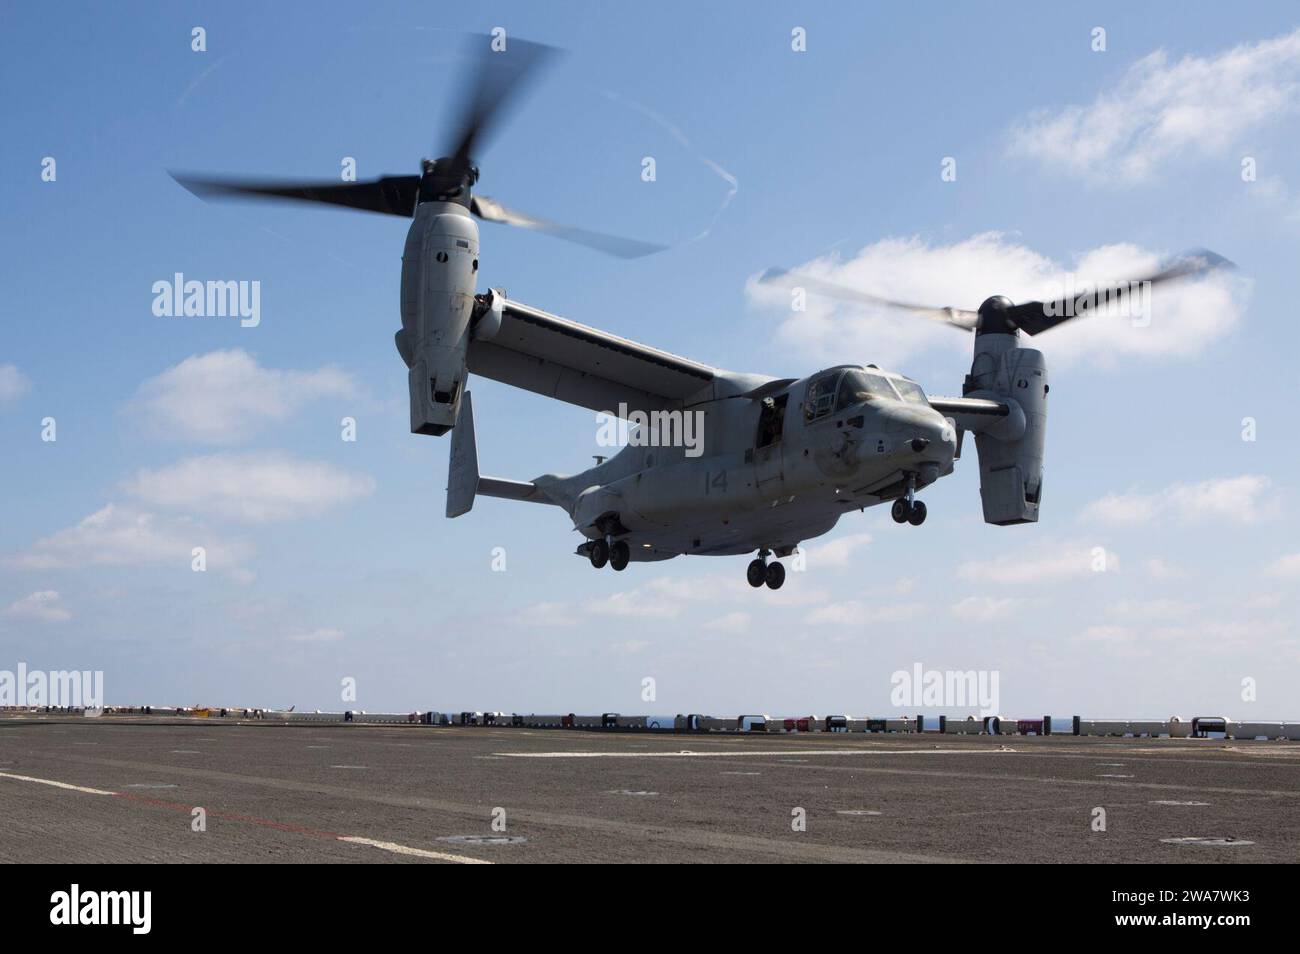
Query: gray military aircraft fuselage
column 780, row 461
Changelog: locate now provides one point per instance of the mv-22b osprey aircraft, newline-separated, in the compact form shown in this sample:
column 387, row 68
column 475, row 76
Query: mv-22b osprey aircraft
column 780, row 459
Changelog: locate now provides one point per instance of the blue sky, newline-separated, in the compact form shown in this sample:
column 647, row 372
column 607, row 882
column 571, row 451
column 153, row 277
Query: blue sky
column 331, row 559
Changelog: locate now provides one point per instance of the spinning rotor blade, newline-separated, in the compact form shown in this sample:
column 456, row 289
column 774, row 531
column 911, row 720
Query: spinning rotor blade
column 957, row 317
column 490, row 210
column 500, row 76
column 1035, row 317
column 392, row 195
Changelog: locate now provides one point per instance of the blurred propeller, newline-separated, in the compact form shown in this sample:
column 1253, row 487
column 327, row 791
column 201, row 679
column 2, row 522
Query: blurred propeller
column 958, row 317
column 999, row 314
column 490, row 210
column 394, row 195
column 1035, row 317
column 500, row 77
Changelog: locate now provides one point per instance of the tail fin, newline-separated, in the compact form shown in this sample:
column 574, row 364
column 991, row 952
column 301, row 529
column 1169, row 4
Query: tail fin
column 462, row 469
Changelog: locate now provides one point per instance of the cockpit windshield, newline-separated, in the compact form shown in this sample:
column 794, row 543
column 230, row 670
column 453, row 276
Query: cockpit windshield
column 857, row 386
column 911, row 391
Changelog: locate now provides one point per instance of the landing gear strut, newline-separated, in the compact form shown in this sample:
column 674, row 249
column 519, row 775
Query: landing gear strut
column 908, row 509
column 760, row 572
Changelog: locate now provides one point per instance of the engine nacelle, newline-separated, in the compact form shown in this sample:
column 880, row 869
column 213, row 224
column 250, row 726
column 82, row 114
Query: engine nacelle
column 439, row 269
column 1011, row 456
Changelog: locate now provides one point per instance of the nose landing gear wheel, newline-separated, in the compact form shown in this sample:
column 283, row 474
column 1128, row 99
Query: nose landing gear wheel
column 756, row 574
column 599, row 553
column 619, row 554
column 904, row 512
column 774, row 576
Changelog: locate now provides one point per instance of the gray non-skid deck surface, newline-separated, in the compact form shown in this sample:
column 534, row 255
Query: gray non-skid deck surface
column 280, row 793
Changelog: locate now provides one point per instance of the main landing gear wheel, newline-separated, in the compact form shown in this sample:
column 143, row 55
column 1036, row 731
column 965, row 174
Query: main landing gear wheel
column 599, row 553
column 619, row 554
column 899, row 511
column 908, row 511
column 774, row 576
column 757, row 573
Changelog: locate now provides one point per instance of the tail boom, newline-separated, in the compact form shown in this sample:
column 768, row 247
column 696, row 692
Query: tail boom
column 464, row 482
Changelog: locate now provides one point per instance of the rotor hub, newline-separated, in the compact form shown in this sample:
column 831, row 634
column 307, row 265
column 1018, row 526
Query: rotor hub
column 995, row 317
column 447, row 180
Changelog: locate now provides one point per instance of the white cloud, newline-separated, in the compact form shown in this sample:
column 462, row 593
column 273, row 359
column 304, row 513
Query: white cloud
column 982, row 609
column 13, row 383
column 1044, row 563
column 1288, row 566
column 1146, row 610
column 254, row 487
column 1241, row 499
column 1264, row 601
column 838, row 552
column 1181, row 319
column 1160, row 569
column 1232, row 636
column 548, row 614
column 1108, row 634
column 732, row 623
column 43, row 606
column 858, row 613
column 667, row 598
column 317, row 636
column 243, row 576
column 1161, row 111
column 1279, row 201
column 630, row 647
column 121, row 536
column 637, row 604
column 660, row 598
column 225, row 396
column 904, row 586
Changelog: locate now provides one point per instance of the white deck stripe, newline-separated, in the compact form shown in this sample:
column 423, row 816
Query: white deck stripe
column 351, row 839
column 745, row 754
column 47, row 781
column 417, row 852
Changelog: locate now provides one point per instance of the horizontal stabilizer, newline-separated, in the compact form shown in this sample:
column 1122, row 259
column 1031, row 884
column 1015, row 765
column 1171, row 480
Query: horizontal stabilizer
column 510, row 489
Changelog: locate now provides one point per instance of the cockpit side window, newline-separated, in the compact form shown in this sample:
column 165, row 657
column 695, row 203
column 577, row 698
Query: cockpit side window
column 820, row 398
column 857, row 386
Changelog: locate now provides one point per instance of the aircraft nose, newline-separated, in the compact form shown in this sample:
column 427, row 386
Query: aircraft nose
column 922, row 430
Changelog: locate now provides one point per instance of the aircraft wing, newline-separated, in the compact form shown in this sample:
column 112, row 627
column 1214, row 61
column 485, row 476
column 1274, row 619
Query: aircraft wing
column 561, row 359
